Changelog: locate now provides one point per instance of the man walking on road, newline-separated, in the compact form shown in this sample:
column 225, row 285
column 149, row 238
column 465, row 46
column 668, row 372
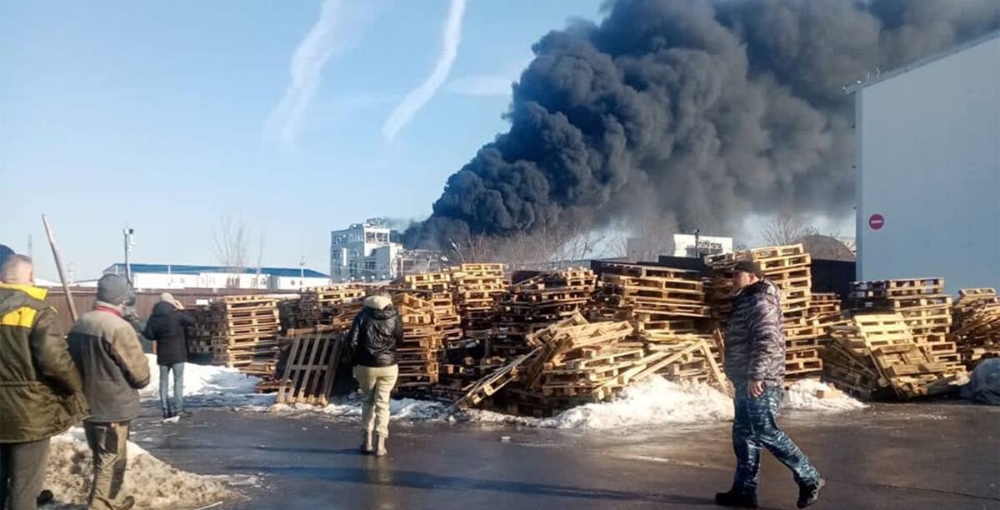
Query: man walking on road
column 755, row 363
column 40, row 388
column 107, row 352
column 166, row 327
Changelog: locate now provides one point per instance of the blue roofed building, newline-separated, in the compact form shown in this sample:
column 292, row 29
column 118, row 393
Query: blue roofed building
column 179, row 276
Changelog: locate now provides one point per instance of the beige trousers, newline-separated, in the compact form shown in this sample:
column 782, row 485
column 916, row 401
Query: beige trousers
column 376, row 385
column 108, row 443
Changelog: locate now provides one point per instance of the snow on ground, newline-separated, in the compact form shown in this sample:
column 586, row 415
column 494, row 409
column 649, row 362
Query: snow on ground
column 803, row 395
column 653, row 402
column 648, row 404
column 209, row 386
column 153, row 483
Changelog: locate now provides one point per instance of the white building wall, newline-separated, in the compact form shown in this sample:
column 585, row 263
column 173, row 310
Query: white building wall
column 296, row 283
column 929, row 163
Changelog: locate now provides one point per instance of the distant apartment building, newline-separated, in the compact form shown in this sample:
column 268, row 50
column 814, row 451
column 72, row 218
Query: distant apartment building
column 369, row 252
column 173, row 276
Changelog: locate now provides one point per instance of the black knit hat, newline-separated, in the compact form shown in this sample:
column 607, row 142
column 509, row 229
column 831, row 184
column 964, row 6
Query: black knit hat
column 748, row 266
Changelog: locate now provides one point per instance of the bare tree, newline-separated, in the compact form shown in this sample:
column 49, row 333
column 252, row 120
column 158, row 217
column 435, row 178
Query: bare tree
column 232, row 240
column 786, row 227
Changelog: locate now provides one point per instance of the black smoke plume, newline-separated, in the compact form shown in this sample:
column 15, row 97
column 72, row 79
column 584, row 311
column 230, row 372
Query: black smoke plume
column 695, row 111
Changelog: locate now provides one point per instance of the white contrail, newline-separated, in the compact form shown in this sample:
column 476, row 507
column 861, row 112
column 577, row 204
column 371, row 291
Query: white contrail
column 322, row 42
column 419, row 97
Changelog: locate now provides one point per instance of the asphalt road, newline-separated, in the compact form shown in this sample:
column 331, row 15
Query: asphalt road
column 916, row 456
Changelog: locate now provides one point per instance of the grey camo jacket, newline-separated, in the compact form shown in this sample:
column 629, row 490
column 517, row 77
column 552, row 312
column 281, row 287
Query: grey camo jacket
column 755, row 343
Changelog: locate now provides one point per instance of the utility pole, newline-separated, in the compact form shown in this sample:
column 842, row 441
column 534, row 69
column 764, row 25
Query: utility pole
column 127, row 233
column 697, row 243
column 302, row 272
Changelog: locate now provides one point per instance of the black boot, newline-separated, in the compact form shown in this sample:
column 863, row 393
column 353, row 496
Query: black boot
column 809, row 493
column 738, row 498
column 45, row 497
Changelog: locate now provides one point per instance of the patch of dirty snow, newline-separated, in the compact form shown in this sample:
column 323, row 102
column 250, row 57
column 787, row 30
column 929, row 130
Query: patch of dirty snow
column 153, row 483
column 804, row 395
column 209, row 386
column 656, row 401
column 406, row 409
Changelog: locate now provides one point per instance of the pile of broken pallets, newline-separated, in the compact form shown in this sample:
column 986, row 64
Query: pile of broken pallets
column 535, row 303
column 789, row 268
column 876, row 356
column 921, row 302
column 573, row 362
column 238, row 331
column 666, row 306
column 976, row 326
column 422, row 343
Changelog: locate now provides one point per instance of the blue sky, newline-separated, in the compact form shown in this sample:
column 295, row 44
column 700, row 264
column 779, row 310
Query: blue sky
column 170, row 115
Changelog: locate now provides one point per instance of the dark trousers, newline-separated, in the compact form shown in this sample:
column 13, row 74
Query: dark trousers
column 22, row 473
column 756, row 426
column 108, row 442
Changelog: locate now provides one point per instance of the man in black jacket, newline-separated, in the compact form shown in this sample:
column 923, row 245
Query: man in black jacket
column 166, row 327
column 372, row 341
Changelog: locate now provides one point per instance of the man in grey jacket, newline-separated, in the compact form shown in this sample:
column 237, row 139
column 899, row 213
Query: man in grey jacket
column 107, row 352
column 755, row 363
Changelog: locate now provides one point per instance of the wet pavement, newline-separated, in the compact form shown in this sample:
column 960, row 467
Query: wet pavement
column 905, row 456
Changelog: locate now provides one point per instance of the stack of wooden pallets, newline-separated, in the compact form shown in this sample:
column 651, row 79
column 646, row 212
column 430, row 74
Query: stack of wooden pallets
column 252, row 329
column 877, row 355
column 422, row 345
column 976, row 327
column 437, row 289
column 237, row 331
column 825, row 312
column 661, row 302
column 477, row 288
column 535, row 303
column 922, row 304
column 319, row 305
column 789, row 268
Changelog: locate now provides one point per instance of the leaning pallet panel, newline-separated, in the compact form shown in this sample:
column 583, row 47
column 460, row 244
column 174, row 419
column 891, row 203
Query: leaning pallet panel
column 311, row 367
column 877, row 353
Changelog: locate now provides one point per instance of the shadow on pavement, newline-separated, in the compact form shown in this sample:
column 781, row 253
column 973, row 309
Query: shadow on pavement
column 378, row 474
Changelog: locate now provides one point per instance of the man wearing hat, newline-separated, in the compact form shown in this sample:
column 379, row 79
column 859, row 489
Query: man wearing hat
column 113, row 368
column 755, row 363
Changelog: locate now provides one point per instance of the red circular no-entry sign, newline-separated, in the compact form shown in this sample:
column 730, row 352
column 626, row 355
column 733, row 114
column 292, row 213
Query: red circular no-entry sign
column 876, row 221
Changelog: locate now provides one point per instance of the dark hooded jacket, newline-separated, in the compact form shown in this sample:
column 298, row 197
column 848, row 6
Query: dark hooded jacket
column 40, row 388
column 755, row 343
column 375, row 333
column 166, row 326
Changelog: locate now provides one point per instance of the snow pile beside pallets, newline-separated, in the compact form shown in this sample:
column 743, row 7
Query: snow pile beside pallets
column 812, row 395
column 208, row 386
column 153, row 483
column 647, row 404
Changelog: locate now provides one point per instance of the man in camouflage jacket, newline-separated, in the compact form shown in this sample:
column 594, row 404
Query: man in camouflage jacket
column 755, row 363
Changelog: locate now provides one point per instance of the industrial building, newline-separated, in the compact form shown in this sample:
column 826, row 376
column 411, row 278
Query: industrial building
column 928, row 169
column 370, row 251
column 168, row 276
